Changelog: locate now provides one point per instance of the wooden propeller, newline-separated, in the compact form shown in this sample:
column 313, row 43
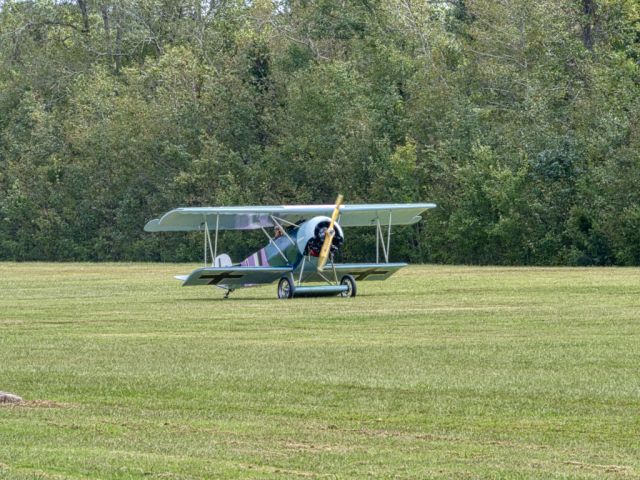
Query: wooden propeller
column 328, row 236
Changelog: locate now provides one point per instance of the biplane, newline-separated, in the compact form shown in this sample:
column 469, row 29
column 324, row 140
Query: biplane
column 301, row 248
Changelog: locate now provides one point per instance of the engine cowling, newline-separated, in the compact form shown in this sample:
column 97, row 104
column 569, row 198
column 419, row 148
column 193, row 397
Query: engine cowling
column 311, row 236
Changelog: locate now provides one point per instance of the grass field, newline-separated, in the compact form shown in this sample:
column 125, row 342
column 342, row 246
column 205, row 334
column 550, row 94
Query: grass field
column 440, row 372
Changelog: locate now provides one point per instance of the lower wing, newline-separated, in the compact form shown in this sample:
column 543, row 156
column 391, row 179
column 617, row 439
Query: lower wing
column 233, row 277
column 359, row 271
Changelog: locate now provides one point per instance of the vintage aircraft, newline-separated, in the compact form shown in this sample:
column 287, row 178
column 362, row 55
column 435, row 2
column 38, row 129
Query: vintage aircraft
column 300, row 252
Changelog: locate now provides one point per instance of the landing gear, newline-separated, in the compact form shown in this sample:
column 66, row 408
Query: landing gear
column 227, row 293
column 350, row 283
column 285, row 288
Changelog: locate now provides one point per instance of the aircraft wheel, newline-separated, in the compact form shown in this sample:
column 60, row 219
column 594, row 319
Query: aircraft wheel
column 350, row 282
column 285, row 288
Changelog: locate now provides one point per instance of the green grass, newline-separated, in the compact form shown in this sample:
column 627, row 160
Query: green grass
column 440, row 372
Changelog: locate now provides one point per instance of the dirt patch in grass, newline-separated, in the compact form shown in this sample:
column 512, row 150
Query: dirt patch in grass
column 306, row 447
column 282, row 471
column 41, row 404
column 616, row 469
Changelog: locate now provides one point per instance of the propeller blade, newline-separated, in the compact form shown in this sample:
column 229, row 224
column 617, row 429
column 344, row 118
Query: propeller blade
column 328, row 236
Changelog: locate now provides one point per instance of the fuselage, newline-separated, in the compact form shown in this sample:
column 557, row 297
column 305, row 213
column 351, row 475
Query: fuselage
column 295, row 244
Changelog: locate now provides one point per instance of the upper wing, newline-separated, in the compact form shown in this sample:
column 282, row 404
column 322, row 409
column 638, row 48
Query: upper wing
column 233, row 277
column 249, row 218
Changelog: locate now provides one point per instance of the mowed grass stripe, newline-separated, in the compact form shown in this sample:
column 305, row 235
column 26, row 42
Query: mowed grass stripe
column 439, row 372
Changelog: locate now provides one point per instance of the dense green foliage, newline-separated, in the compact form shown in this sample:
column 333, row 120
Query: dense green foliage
column 520, row 119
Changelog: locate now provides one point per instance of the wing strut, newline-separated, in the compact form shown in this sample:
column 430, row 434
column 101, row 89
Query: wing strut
column 275, row 245
column 380, row 241
column 215, row 254
column 208, row 245
column 284, row 232
column 377, row 243
column 389, row 236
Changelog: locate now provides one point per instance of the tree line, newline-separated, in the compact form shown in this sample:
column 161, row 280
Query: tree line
column 519, row 118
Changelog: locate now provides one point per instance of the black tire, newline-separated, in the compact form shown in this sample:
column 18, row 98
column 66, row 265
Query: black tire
column 350, row 282
column 285, row 288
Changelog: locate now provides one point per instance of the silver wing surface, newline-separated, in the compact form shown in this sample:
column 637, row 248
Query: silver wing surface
column 233, row 277
column 360, row 271
column 249, row 218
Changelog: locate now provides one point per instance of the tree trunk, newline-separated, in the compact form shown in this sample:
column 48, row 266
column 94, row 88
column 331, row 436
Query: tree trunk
column 104, row 10
column 118, row 49
column 85, row 15
column 588, row 9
